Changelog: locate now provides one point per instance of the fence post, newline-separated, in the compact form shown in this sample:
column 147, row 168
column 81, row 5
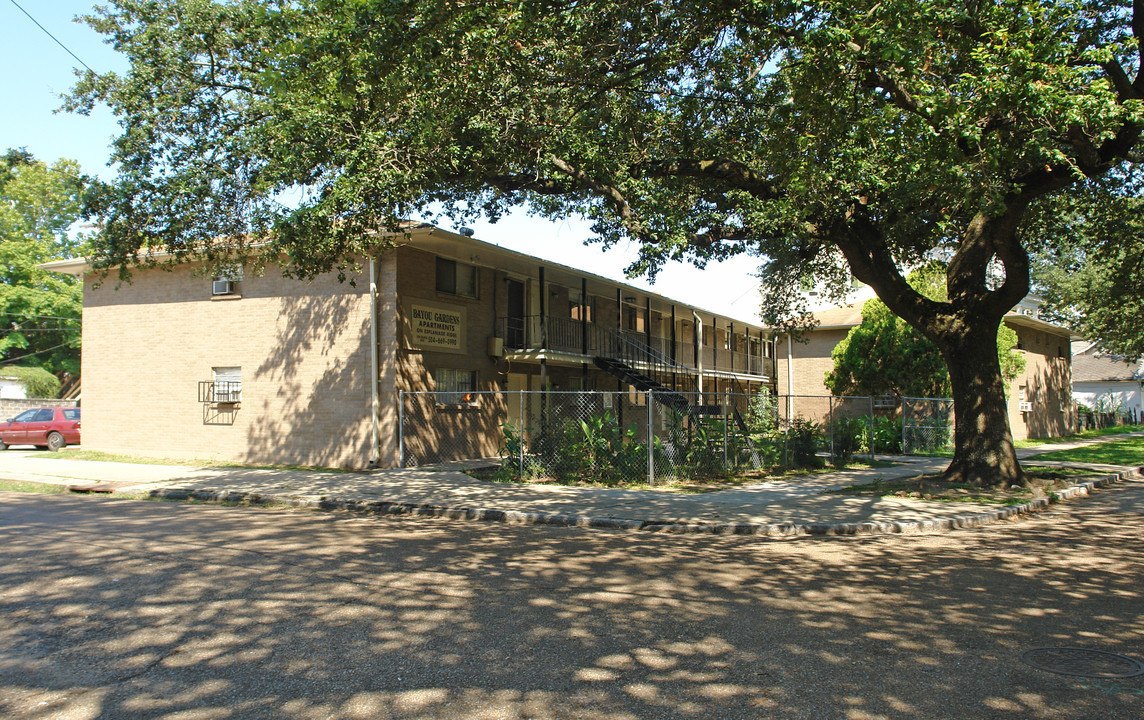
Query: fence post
column 830, row 410
column 726, row 396
column 401, row 428
column 904, row 450
column 650, row 437
column 871, row 431
column 523, row 420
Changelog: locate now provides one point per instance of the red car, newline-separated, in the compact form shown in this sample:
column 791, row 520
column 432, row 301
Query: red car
column 43, row 427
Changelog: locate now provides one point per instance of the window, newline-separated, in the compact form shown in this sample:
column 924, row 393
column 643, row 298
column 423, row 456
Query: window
column 226, row 282
column 25, row 416
column 456, row 278
column 71, row 414
column 227, row 384
column 630, row 321
column 44, row 415
column 455, row 387
column 574, row 306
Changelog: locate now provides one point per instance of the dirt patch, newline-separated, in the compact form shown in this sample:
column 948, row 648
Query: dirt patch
column 1042, row 482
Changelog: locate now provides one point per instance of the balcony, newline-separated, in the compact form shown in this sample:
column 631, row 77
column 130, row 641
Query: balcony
column 566, row 335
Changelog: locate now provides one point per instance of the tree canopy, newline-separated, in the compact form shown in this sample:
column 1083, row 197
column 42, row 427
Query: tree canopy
column 884, row 355
column 1090, row 275
column 39, row 310
column 813, row 136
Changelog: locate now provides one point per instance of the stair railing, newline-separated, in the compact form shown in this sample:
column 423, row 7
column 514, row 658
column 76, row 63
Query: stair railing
column 644, row 358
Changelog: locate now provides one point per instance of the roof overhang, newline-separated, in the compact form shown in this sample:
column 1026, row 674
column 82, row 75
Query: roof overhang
column 1038, row 324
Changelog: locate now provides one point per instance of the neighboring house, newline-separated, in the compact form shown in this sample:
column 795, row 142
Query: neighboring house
column 1107, row 383
column 12, row 388
column 1040, row 403
column 273, row 370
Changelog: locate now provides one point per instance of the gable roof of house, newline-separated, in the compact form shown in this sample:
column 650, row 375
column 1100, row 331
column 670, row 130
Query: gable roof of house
column 1106, row 368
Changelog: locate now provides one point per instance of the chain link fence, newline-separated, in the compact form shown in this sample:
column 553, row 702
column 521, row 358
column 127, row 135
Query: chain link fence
column 626, row 437
column 927, row 425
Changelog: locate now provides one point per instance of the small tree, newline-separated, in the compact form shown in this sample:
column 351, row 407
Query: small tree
column 884, row 355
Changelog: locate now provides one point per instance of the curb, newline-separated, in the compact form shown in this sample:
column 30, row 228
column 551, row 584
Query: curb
column 897, row 527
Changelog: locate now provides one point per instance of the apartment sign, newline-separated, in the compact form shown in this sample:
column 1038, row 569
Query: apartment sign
column 437, row 327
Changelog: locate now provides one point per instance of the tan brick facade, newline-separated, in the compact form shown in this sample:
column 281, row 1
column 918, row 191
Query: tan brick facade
column 1046, row 384
column 302, row 349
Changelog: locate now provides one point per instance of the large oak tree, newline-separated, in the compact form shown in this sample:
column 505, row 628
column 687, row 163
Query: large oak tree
column 828, row 137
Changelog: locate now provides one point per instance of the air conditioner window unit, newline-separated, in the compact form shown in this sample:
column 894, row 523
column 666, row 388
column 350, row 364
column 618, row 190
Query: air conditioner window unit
column 223, row 287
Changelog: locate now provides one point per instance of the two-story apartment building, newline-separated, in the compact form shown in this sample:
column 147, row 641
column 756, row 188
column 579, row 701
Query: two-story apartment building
column 266, row 369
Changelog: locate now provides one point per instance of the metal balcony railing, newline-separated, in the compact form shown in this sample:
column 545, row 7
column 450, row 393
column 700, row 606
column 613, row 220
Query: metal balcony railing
column 213, row 393
column 577, row 337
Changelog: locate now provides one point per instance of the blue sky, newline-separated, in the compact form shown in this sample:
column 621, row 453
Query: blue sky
column 37, row 71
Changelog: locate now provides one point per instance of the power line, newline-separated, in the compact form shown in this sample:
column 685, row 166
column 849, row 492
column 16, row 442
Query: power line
column 39, row 352
column 53, row 37
column 41, row 317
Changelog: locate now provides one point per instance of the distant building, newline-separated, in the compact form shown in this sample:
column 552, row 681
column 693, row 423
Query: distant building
column 1040, row 399
column 1107, row 383
column 12, row 388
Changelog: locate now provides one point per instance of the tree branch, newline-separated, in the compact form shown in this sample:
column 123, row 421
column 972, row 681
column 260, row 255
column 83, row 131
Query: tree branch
column 870, row 261
column 608, row 192
column 735, row 174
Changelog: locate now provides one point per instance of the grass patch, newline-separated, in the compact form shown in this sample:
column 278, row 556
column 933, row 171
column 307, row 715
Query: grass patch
column 32, row 487
column 1085, row 435
column 99, row 456
column 1129, row 451
column 690, row 486
column 1043, row 481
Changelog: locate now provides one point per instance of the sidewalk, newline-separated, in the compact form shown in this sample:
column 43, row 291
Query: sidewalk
column 782, row 507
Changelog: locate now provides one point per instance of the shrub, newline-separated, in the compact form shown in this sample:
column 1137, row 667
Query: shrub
column 802, row 443
column 38, row 382
column 888, row 435
column 848, row 435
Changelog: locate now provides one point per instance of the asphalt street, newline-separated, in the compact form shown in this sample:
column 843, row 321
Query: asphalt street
column 135, row 609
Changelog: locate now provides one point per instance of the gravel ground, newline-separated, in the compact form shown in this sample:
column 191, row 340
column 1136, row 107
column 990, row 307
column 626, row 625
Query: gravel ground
column 131, row 609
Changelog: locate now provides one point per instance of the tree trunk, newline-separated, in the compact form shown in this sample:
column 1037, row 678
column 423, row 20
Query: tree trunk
column 983, row 443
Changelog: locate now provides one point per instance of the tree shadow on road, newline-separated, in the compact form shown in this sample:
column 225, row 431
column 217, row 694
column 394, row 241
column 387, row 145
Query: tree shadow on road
column 198, row 611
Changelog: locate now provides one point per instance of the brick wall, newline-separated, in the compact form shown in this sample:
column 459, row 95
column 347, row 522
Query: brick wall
column 10, row 407
column 1048, row 385
column 1047, row 378
column 302, row 346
